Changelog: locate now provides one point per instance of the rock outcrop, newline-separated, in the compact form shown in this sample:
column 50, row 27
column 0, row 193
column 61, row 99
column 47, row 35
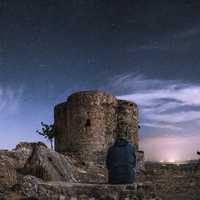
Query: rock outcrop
column 33, row 159
column 49, row 165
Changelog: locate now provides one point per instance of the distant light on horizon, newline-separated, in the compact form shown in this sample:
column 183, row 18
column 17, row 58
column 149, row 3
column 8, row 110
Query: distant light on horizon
column 171, row 161
column 170, row 149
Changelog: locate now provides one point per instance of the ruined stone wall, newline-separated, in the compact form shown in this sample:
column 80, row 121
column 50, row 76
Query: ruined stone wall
column 85, row 124
column 127, row 121
column 33, row 188
column 174, row 182
column 60, row 121
column 89, row 121
column 140, row 161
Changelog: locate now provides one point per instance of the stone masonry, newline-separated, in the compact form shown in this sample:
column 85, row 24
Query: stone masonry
column 89, row 121
column 174, row 181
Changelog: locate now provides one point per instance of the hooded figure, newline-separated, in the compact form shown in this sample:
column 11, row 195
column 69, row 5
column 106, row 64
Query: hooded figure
column 121, row 162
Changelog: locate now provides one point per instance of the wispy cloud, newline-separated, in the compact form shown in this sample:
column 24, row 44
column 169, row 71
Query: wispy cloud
column 161, row 126
column 162, row 103
column 169, row 115
column 10, row 99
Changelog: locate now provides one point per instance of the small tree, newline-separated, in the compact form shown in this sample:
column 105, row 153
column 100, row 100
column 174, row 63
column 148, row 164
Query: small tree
column 48, row 131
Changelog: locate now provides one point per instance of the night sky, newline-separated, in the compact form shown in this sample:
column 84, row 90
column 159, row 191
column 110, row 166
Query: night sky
column 140, row 50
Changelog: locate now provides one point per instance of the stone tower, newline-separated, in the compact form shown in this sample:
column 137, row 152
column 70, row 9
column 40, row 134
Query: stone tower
column 89, row 121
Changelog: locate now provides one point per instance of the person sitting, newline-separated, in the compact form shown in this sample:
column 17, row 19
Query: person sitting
column 121, row 162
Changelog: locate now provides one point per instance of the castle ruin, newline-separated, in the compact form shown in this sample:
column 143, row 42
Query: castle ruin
column 89, row 121
column 86, row 125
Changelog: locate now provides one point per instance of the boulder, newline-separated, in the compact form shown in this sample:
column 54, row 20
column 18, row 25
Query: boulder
column 23, row 151
column 10, row 163
column 8, row 176
column 49, row 165
column 18, row 156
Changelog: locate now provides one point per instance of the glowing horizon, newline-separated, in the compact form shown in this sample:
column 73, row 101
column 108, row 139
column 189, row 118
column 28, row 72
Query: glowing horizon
column 170, row 149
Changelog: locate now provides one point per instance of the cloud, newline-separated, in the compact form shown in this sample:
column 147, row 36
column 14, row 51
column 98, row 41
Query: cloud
column 10, row 99
column 182, row 93
column 164, row 104
column 161, row 126
column 175, row 117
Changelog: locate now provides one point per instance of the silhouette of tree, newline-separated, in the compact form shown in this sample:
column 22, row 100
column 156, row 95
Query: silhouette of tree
column 48, row 132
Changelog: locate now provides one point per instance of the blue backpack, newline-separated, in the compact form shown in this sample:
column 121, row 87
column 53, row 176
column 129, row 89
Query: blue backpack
column 121, row 162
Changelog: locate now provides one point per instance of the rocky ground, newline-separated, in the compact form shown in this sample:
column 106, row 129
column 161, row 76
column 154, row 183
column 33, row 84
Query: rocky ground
column 33, row 171
column 175, row 181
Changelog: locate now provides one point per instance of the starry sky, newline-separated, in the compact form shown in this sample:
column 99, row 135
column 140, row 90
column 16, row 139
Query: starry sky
column 144, row 51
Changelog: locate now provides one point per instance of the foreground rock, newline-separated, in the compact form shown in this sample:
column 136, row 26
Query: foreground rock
column 49, row 165
column 33, row 159
column 11, row 162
